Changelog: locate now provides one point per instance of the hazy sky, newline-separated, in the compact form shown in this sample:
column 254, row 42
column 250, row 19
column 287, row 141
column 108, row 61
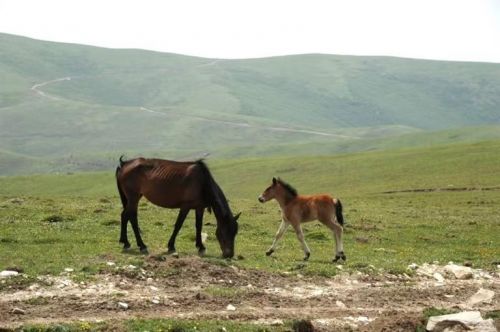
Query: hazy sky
column 431, row 29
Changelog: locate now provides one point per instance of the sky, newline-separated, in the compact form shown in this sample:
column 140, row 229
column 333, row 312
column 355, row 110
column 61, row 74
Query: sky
column 461, row 30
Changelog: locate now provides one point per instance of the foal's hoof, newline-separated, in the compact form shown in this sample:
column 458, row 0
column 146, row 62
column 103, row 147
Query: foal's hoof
column 201, row 252
column 126, row 247
column 144, row 250
column 307, row 256
column 269, row 252
column 339, row 256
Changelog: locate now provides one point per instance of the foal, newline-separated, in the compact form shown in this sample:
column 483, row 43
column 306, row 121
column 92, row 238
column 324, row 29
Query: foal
column 296, row 209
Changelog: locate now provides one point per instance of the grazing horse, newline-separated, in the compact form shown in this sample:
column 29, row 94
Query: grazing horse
column 296, row 209
column 174, row 185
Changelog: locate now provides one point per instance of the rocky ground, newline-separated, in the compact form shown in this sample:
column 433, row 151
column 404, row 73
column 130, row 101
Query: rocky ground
column 192, row 288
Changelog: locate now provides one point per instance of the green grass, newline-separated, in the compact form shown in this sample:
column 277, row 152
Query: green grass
column 98, row 111
column 166, row 325
column 388, row 231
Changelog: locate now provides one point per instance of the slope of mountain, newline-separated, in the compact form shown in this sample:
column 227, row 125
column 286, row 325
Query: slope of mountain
column 58, row 100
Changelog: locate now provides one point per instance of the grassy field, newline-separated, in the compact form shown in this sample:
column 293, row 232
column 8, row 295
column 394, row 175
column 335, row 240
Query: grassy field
column 51, row 222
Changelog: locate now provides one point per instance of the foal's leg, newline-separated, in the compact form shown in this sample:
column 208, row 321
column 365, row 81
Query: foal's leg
column 199, row 226
column 178, row 224
column 300, row 236
column 337, row 232
column 279, row 234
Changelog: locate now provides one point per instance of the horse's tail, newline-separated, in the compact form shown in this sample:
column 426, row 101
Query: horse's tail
column 338, row 211
column 120, row 191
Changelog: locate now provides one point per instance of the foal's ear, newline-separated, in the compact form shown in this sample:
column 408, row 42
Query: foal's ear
column 274, row 180
column 236, row 217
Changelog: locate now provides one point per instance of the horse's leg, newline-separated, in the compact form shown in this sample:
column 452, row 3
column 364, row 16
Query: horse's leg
column 123, row 232
column 300, row 236
column 199, row 226
column 132, row 205
column 178, row 224
column 279, row 234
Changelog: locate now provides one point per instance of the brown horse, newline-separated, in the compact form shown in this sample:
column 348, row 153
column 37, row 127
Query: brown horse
column 174, row 185
column 296, row 209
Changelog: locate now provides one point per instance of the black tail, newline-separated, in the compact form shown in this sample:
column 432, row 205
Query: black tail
column 338, row 212
column 120, row 191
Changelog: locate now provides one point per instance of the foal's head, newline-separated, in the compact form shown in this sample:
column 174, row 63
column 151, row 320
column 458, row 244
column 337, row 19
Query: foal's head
column 277, row 189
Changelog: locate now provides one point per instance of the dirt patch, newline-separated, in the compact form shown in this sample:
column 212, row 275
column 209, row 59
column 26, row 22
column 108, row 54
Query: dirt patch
column 426, row 190
column 195, row 288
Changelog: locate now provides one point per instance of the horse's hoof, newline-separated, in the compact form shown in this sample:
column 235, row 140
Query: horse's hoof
column 269, row 252
column 201, row 252
column 173, row 253
column 144, row 250
column 126, row 247
column 307, row 256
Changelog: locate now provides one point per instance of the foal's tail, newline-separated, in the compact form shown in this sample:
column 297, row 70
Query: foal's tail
column 120, row 191
column 338, row 212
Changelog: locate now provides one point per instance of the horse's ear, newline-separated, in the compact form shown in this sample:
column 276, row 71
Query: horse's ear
column 274, row 180
column 236, row 217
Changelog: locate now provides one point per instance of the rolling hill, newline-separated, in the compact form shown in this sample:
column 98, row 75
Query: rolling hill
column 72, row 107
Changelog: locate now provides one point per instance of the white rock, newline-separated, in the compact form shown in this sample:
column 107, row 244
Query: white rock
column 482, row 295
column 156, row 300
column 131, row 267
column 438, row 277
column 123, row 305
column 110, row 263
column 472, row 320
column 68, row 269
column 340, row 304
column 230, row 307
column 7, row 274
column 149, row 280
column 459, row 272
column 153, row 288
column 413, row 266
column 18, row 311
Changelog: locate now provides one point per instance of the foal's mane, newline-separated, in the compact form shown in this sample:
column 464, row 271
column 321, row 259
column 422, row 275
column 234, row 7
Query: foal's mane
column 291, row 190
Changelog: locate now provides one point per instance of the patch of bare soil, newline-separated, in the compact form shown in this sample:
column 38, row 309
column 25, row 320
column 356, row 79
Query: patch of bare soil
column 194, row 288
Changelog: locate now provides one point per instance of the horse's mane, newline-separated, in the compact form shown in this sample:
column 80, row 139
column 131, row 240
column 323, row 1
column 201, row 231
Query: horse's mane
column 291, row 190
column 213, row 194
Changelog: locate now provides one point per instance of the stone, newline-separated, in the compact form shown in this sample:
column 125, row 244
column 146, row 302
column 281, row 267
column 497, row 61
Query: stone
column 8, row 274
column 340, row 304
column 481, row 296
column 68, row 269
column 18, row 311
column 123, row 305
column 459, row 272
column 438, row 277
column 413, row 266
column 230, row 307
column 110, row 263
column 467, row 320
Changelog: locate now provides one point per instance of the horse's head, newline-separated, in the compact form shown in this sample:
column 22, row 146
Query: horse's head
column 226, row 232
column 270, row 192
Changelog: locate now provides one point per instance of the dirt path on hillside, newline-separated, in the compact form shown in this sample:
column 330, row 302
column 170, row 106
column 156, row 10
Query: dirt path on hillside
column 36, row 87
column 193, row 288
column 246, row 125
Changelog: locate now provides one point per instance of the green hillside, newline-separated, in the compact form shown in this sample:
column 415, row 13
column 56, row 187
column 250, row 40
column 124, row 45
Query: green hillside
column 77, row 106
